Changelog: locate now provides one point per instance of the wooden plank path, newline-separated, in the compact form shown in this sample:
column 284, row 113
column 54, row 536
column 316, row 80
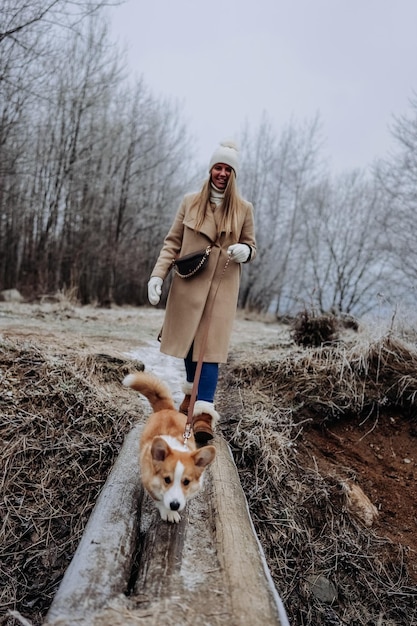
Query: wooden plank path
column 133, row 569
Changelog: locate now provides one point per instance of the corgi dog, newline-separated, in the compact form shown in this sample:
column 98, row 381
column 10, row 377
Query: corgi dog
column 171, row 472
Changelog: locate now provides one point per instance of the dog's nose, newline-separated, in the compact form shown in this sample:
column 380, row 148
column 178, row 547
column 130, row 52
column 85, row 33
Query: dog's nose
column 174, row 505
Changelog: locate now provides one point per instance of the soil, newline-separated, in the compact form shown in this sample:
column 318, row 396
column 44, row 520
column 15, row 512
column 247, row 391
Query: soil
column 380, row 453
column 381, row 456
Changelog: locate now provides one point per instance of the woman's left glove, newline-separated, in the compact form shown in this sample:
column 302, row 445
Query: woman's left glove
column 239, row 252
column 154, row 290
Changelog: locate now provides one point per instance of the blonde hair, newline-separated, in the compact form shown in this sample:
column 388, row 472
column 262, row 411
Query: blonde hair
column 230, row 206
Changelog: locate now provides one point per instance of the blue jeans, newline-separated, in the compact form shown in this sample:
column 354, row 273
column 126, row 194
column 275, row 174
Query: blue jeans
column 208, row 377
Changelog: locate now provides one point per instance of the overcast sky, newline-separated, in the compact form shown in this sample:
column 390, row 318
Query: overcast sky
column 352, row 62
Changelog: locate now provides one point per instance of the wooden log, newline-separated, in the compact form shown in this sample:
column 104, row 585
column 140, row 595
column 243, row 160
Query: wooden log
column 253, row 595
column 132, row 568
column 101, row 566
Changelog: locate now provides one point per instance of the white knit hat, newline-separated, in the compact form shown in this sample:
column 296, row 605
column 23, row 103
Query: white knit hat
column 226, row 153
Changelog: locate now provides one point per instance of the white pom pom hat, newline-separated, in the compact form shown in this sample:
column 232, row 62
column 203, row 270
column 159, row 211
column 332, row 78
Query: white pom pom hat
column 226, row 153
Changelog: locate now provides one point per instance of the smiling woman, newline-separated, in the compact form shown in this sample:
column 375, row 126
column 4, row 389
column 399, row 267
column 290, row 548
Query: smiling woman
column 200, row 309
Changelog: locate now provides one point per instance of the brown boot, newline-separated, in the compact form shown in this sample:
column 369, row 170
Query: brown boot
column 187, row 389
column 204, row 421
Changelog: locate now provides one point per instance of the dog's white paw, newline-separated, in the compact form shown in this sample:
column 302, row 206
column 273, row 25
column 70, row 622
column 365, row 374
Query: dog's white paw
column 172, row 516
column 167, row 515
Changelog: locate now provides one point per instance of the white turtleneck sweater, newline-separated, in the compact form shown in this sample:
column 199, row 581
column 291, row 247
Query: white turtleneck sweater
column 216, row 195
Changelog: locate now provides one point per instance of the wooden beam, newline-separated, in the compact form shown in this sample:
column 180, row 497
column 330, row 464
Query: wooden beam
column 132, row 568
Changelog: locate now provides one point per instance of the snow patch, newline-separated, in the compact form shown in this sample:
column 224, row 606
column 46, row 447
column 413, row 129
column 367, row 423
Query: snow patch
column 168, row 368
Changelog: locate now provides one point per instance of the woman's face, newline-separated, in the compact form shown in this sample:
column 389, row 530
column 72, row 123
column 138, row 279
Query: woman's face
column 220, row 174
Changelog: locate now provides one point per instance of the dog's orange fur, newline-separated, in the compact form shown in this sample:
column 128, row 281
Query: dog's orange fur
column 171, row 472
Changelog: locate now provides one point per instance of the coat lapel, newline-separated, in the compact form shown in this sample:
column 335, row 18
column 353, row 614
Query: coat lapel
column 208, row 227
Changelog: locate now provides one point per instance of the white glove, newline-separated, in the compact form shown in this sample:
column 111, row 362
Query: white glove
column 239, row 252
column 154, row 290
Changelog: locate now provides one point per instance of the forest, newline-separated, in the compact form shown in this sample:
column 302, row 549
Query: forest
column 92, row 170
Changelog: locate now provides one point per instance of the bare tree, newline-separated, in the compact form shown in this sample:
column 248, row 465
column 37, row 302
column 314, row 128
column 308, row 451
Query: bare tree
column 397, row 177
column 278, row 173
column 27, row 52
column 20, row 16
column 343, row 241
column 322, row 242
column 97, row 176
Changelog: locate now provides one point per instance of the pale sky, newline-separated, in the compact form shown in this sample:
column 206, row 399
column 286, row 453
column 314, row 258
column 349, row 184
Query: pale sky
column 352, row 62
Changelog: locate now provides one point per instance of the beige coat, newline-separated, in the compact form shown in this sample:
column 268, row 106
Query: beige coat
column 189, row 299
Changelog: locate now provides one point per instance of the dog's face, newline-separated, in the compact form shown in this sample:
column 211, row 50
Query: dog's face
column 178, row 473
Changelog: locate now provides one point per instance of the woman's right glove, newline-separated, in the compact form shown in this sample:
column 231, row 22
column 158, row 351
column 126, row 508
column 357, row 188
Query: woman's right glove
column 154, row 290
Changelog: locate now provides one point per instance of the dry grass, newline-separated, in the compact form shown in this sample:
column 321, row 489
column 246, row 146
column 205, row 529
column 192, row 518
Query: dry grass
column 60, row 434
column 309, row 329
column 300, row 515
column 337, row 380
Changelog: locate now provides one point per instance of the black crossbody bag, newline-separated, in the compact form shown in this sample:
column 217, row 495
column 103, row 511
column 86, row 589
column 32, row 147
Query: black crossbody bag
column 191, row 264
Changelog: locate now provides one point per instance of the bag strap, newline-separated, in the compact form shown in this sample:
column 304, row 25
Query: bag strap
column 188, row 424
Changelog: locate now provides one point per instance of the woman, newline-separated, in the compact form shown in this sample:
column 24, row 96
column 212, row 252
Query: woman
column 218, row 216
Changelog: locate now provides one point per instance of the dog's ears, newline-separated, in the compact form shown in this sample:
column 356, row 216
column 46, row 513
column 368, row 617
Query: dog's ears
column 160, row 449
column 204, row 456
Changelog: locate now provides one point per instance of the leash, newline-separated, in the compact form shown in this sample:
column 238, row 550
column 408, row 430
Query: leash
column 189, row 422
